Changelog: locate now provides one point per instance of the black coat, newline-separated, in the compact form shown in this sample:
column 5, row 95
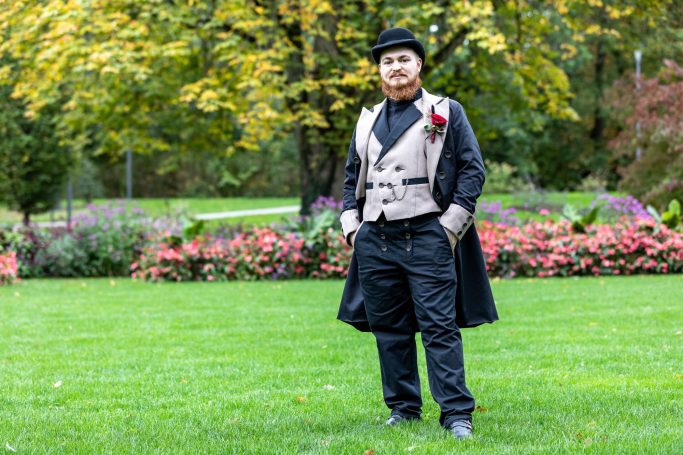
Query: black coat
column 460, row 172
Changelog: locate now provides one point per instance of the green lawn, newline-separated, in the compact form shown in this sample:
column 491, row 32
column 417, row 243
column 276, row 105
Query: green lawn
column 157, row 207
column 592, row 364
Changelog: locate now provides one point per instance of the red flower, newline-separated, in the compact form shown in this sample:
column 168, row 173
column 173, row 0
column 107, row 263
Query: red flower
column 438, row 120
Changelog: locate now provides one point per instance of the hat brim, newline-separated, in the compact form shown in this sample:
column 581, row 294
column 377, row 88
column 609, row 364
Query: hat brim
column 410, row 43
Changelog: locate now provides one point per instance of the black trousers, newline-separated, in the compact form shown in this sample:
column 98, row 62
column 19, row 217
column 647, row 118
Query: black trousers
column 408, row 280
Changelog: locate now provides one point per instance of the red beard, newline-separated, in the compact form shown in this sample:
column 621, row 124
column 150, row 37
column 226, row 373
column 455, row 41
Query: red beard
column 402, row 92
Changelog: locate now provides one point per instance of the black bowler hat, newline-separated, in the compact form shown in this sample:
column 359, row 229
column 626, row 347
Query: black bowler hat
column 397, row 37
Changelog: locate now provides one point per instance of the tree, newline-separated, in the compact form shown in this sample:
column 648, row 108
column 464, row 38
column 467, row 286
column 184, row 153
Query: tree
column 222, row 76
column 657, row 176
column 33, row 166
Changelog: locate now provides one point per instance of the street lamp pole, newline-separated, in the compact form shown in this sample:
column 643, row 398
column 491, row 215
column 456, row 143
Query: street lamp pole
column 129, row 174
column 638, row 54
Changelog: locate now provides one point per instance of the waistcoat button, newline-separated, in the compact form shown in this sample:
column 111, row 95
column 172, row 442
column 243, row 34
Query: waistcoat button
column 385, row 201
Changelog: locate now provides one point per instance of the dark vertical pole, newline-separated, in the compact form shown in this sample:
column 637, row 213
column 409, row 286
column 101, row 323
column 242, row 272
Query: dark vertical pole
column 129, row 174
column 638, row 55
column 69, row 201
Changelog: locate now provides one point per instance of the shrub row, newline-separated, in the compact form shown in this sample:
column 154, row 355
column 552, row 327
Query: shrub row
column 261, row 253
column 536, row 249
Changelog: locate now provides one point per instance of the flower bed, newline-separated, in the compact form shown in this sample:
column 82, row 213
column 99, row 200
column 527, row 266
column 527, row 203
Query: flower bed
column 533, row 250
column 552, row 249
column 8, row 268
column 261, row 253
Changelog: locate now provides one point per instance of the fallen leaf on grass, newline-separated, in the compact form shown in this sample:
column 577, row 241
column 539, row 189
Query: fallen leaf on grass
column 325, row 443
column 369, row 452
column 481, row 409
column 9, row 447
column 183, row 380
column 328, row 387
column 301, row 399
column 679, row 376
column 57, row 384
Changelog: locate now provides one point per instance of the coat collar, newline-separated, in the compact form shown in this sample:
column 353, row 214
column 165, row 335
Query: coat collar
column 423, row 107
column 433, row 150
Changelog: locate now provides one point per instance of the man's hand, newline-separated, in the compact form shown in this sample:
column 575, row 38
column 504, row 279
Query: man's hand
column 352, row 238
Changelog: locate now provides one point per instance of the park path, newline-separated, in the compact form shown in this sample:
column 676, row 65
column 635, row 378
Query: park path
column 251, row 212
column 201, row 216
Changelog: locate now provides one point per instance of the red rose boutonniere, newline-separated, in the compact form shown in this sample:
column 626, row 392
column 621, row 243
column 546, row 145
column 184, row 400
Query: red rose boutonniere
column 437, row 124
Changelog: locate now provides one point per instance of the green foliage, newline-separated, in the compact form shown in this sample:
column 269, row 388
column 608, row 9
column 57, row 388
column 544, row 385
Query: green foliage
column 33, row 165
column 580, row 221
column 670, row 217
column 502, row 178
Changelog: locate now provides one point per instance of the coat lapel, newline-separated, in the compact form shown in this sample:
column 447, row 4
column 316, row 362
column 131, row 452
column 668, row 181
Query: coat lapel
column 433, row 150
column 408, row 117
column 363, row 131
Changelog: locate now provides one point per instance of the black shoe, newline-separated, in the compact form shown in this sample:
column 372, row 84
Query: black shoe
column 461, row 429
column 395, row 419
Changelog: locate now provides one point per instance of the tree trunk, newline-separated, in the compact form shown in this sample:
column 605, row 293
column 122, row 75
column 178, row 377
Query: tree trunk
column 317, row 168
column 27, row 219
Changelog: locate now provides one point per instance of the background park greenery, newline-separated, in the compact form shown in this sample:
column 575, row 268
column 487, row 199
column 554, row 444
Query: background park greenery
column 222, row 98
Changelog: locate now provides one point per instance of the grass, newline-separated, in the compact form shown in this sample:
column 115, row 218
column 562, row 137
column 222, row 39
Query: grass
column 157, row 207
column 592, row 364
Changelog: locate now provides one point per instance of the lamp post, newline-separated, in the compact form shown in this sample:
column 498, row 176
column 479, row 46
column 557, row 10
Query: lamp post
column 69, row 201
column 129, row 174
column 638, row 54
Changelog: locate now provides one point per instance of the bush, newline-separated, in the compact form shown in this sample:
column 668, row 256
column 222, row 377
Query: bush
column 552, row 249
column 501, row 178
column 261, row 253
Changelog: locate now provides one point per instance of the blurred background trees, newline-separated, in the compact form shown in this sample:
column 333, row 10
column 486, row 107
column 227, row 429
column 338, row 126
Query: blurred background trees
column 224, row 98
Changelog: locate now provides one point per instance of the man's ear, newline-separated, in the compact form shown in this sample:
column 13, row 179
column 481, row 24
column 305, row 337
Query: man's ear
column 419, row 64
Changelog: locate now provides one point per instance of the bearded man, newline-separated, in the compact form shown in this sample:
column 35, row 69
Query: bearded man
column 413, row 175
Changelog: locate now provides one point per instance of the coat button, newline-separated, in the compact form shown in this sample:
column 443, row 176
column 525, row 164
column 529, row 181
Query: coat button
column 383, row 247
column 406, row 223
column 409, row 247
column 442, row 175
column 385, row 201
column 382, row 236
column 390, row 186
column 356, row 159
column 448, row 154
column 381, row 224
column 381, row 185
column 407, row 235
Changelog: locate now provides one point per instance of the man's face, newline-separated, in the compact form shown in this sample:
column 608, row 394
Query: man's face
column 399, row 67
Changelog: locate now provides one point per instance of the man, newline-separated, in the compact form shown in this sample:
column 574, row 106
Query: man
column 413, row 174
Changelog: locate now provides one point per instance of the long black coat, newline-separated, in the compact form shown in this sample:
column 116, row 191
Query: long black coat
column 458, row 179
